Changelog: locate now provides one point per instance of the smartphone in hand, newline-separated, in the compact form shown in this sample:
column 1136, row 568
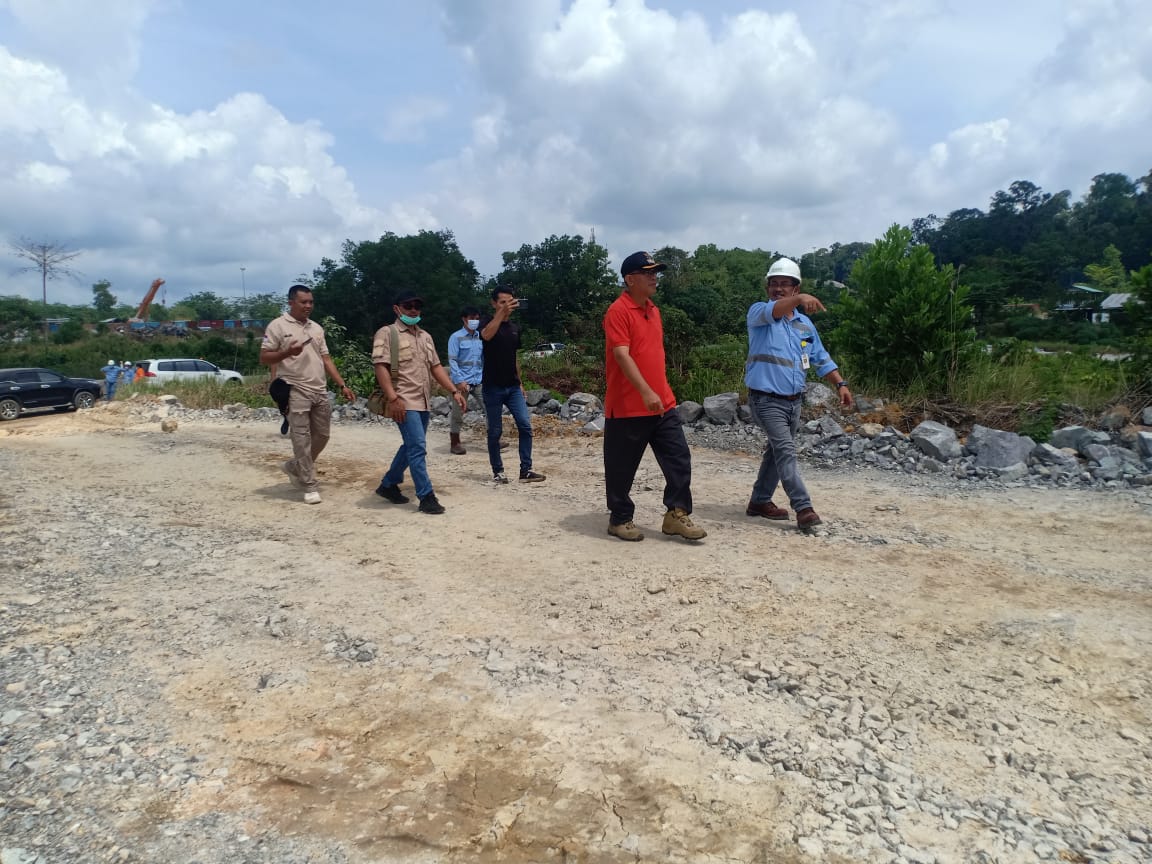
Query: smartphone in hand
column 521, row 303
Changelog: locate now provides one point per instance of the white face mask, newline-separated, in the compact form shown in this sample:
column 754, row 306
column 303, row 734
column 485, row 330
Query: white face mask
column 472, row 323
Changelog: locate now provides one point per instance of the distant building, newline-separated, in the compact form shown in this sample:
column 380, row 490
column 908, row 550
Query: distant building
column 1081, row 302
column 1112, row 306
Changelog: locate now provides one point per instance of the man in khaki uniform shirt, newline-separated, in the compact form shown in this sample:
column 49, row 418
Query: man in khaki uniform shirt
column 409, row 398
column 295, row 345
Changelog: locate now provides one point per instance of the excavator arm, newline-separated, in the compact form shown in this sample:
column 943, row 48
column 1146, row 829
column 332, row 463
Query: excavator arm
column 142, row 312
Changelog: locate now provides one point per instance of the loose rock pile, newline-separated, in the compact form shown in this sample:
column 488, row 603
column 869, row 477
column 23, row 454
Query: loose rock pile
column 1116, row 457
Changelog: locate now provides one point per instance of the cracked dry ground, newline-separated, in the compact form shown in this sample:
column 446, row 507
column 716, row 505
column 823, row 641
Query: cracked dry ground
column 508, row 683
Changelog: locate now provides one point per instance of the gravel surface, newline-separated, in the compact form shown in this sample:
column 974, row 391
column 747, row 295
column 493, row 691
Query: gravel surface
column 197, row 667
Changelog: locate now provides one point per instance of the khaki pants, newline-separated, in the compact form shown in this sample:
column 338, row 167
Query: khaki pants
column 310, row 425
column 456, row 416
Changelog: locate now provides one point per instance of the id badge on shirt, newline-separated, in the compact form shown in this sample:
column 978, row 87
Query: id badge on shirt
column 805, row 364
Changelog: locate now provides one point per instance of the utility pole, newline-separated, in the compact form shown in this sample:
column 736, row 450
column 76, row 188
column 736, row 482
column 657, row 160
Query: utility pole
column 244, row 292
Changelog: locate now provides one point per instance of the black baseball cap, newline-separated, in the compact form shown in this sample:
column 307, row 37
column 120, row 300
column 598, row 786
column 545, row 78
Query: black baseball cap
column 407, row 296
column 641, row 262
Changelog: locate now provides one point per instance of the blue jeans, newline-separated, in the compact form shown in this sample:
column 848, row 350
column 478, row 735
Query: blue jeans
column 495, row 398
column 412, row 455
column 110, row 390
column 780, row 420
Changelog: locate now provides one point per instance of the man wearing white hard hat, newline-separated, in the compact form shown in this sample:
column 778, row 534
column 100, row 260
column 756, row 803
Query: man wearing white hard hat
column 782, row 346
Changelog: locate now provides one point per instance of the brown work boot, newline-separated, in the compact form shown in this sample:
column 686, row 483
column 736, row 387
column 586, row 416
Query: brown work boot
column 766, row 509
column 807, row 518
column 457, row 449
column 677, row 521
column 626, row 531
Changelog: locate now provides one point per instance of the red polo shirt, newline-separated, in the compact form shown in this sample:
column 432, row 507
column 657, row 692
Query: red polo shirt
column 640, row 328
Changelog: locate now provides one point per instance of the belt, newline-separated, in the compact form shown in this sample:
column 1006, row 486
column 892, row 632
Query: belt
column 791, row 398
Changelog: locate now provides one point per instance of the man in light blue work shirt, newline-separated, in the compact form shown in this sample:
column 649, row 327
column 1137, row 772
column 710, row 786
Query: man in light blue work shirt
column 112, row 373
column 782, row 346
column 466, row 369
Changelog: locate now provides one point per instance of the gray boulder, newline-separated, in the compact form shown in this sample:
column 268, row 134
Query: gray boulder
column 552, row 406
column 1146, row 416
column 829, row 428
column 536, row 397
column 690, row 411
column 1115, row 418
column 817, row 394
column 585, row 403
column 1144, row 443
column 441, row 405
column 593, row 427
column 744, row 414
column 864, row 405
column 1078, row 437
column 721, row 408
column 995, row 448
column 1012, row 472
column 936, row 440
column 1046, row 454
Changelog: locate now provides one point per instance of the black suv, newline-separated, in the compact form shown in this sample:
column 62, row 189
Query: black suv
column 24, row 389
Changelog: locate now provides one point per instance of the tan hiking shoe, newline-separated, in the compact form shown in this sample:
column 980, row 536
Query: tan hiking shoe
column 676, row 521
column 626, row 531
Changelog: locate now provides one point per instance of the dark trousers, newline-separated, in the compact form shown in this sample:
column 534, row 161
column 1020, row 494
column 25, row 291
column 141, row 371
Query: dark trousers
column 624, row 441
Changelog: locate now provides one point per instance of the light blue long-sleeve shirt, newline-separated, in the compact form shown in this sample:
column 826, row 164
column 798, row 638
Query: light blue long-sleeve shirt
column 466, row 357
column 111, row 373
column 776, row 348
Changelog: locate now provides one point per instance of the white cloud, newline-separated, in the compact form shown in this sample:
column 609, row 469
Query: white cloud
column 193, row 196
column 410, row 120
column 782, row 130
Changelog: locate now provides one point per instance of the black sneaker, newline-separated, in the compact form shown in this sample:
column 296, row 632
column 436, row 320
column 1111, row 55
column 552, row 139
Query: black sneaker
column 429, row 504
column 531, row 477
column 284, row 427
column 392, row 493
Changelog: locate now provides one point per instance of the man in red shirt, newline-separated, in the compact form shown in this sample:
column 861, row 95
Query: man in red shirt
column 640, row 408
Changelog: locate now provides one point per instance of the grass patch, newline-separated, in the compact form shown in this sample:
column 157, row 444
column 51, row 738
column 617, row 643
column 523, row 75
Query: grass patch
column 253, row 392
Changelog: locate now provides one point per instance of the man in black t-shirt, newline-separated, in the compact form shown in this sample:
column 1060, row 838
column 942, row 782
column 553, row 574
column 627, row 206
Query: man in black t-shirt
column 502, row 385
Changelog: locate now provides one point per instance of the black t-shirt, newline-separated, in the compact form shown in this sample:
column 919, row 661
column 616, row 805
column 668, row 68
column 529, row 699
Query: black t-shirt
column 500, row 354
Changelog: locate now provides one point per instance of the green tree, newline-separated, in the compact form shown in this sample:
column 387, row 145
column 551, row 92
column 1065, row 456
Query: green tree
column 1108, row 273
column 905, row 322
column 103, row 300
column 18, row 316
column 70, row 331
column 358, row 292
column 208, row 306
column 567, row 282
column 265, row 307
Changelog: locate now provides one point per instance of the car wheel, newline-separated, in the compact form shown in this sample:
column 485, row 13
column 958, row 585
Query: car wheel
column 9, row 409
column 83, row 399
column 232, row 381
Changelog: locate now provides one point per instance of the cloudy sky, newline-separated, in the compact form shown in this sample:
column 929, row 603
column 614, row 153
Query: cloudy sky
column 191, row 138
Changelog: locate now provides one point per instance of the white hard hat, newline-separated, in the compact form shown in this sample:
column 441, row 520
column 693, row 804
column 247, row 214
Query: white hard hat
column 111, row 362
column 784, row 267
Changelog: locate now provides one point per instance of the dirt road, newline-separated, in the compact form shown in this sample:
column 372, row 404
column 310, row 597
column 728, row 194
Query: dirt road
column 945, row 673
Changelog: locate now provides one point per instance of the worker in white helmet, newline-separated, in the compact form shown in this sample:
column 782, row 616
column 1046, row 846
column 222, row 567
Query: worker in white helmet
column 782, row 346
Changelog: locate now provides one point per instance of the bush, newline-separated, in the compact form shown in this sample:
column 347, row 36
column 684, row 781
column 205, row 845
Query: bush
column 906, row 324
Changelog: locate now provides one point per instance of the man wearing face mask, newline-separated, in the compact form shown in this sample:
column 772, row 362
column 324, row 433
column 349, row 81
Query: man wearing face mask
column 409, row 398
column 466, row 368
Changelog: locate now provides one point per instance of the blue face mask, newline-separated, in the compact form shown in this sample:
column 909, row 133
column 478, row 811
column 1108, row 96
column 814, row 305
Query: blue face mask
column 472, row 323
column 410, row 319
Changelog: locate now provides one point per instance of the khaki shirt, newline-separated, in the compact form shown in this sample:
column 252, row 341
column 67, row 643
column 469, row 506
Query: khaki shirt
column 305, row 372
column 417, row 356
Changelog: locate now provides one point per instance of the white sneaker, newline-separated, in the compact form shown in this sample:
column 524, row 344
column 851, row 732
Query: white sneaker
column 311, row 497
column 293, row 477
column 500, row 477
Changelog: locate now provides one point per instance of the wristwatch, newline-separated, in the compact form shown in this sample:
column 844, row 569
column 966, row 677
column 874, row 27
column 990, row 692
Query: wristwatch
column 841, row 384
